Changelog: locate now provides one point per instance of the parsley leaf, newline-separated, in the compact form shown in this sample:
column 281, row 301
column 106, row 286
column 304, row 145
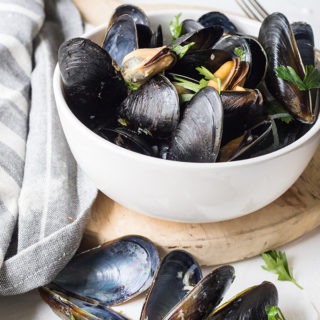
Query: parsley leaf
column 276, row 262
column 209, row 76
column 274, row 313
column 72, row 317
column 175, row 27
column 276, row 111
column 311, row 79
column 190, row 85
column 238, row 51
column 132, row 86
column 181, row 50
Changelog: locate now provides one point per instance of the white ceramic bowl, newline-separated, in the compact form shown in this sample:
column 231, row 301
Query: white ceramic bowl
column 186, row 192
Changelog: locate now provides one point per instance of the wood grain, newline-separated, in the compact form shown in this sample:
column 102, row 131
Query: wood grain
column 292, row 215
column 289, row 217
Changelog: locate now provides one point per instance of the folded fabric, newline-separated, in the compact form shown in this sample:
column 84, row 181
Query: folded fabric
column 45, row 198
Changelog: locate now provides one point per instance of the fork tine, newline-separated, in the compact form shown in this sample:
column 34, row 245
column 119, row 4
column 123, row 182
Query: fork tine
column 259, row 8
column 253, row 9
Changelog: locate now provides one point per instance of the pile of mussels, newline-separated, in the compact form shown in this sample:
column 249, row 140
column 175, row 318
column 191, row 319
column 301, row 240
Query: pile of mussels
column 149, row 97
column 120, row 270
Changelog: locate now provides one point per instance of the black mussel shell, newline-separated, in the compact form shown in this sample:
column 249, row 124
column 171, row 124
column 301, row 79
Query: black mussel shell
column 144, row 36
column 121, row 38
column 153, row 107
column 303, row 34
column 215, row 18
column 129, row 139
column 138, row 15
column 198, row 135
column 248, row 305
column 277, row 39
column 204, row 38
column 111, row 273
column 253, row 140
column 242, row 110
column 211, row 59
column 205, row 296
column 156, row 40
column 177, row 275
column 92, row 84
column 66, row 308
column 190, row 25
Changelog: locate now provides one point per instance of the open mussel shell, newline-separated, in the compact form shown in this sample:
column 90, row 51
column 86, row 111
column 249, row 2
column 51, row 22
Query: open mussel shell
column 177, row 275
column 203, row 38
column 66, row 308
column 211, row 59
column 121, row 38
column 190, row 25
column 250, row 304
column 205, row 296
column 252, row 140
column 111, row 273
column 198, row 135
column 92, row 85
column 129, row 139
column 277, row 38
column 142, row 64
column 153, row 107
column 215, row 18
column 242, row 110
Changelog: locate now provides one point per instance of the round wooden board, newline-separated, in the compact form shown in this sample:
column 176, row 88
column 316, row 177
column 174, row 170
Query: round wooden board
column 289, row 217
column 292, row 215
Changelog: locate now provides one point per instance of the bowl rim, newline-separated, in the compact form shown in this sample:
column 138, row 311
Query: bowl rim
column 63, row 107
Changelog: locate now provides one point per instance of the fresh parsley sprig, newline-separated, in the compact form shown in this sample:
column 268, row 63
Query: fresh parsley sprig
column 190, row 85
column 209, row 76
column 311, row 79
column 276, row 262
column 181, row 50
column 274, row 313
column 175, row 27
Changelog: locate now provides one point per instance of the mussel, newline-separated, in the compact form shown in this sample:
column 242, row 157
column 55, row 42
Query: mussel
column 278, row 40
column 121, row 38
column 154, row 107
column 199, row 133
column 111, row 273
column 67, row 309
column 248, row 305
column 92, row 83
column 177, row 275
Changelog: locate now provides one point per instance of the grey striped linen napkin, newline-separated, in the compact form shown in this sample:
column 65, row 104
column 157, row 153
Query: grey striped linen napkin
column 44, row 197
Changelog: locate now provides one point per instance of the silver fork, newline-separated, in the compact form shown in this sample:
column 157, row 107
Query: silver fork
column 252, row 9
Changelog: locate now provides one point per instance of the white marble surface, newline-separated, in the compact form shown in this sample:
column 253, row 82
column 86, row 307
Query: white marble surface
column 303, row 254
column 296, row 304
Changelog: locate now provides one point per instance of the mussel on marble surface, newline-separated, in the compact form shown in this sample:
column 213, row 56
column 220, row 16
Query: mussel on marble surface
column 177, row 291
column 136, row 85
column 110, row 273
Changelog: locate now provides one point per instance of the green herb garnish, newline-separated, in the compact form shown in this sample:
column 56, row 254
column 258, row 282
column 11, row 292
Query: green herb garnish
column 311, row 79
column 238, row 51
column 276, row 111
column 274, row 313
column 276, row 262
column 209, row 76
column 181, row 50
column 190, row 85
column 72, row 317
column 132, row 86
column 175, row 27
